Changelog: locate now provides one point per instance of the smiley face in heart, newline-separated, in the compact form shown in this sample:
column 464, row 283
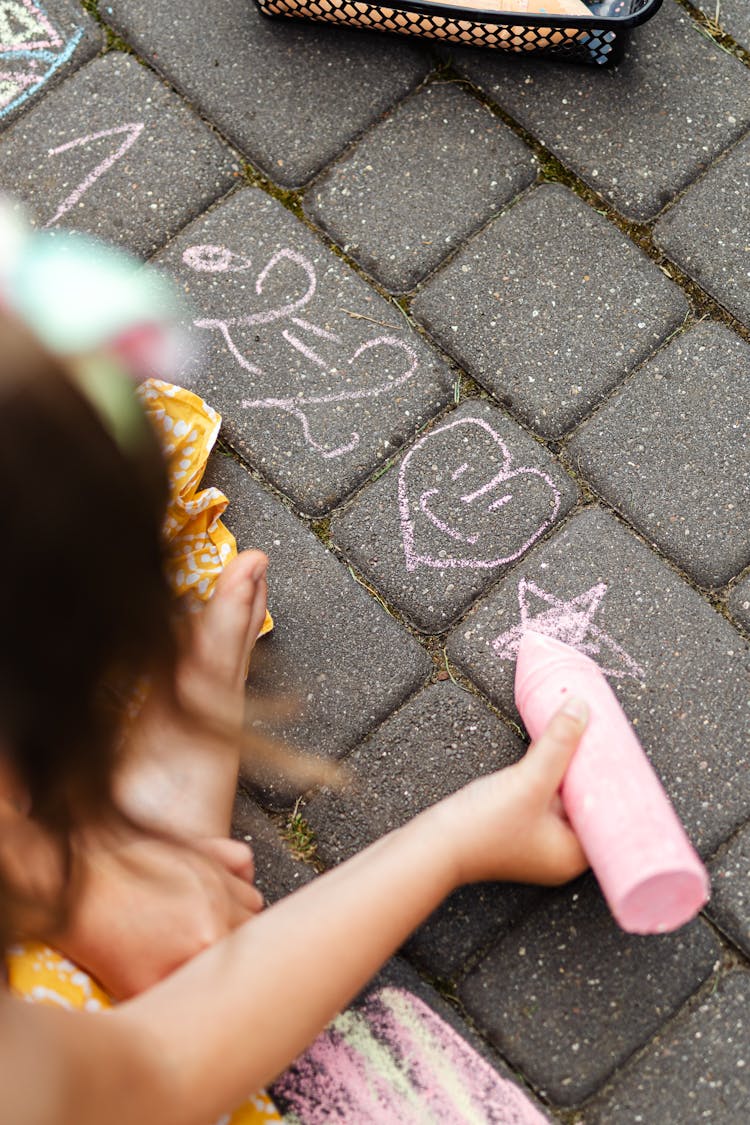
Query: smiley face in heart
column 463, row 504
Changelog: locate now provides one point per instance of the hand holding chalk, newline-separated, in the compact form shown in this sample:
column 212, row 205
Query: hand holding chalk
column 510, row 825
column 648, row 871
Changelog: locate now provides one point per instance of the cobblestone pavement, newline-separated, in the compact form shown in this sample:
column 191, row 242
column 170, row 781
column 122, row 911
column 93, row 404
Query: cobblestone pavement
column 409, row 264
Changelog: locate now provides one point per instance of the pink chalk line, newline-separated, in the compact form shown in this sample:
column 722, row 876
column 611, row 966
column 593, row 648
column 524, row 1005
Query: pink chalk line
column 570, row 621
column 395, row 1062
column 208, row 258
column 213, row 258
column 132, row 130
column 506, row 473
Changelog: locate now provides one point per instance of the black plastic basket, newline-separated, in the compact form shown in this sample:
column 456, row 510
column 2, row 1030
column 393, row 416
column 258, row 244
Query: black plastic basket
column 598, row 39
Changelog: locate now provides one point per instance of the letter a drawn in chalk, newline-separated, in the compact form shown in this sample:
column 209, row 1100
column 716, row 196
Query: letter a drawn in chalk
column 132, row 132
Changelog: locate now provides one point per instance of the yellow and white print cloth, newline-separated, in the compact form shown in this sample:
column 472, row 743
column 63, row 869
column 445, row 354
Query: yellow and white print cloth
column 199, row 547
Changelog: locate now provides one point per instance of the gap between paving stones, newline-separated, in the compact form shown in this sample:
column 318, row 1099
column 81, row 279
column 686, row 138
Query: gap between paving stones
column 715, row 32
column 703, row 992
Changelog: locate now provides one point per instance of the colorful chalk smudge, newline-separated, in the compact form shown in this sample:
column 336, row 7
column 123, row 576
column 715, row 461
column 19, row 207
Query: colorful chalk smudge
column 489, row 498
column 213, row 258
column 393, row 1061
column 31, row 51
column 569, row 621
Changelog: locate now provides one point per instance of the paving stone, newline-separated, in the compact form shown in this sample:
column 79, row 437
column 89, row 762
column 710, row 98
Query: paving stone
column 39, row 45
column 333, row 651
column 318, row 378
column 568, row 996
column 734, row 17
column 114, row 153
column 697, row 1070
column 550, row 307
column 277, row 872
column 730, row 889
column 438, row 741
column 289, row 95
column 708, row 232
column 669, row 451
column 739, row 602
column 419, row 183
column 640, row 132
column 400, row 1053
column 464, row 502
column 679, row 669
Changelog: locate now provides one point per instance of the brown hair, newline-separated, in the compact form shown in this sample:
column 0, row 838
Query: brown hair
column 84, row 603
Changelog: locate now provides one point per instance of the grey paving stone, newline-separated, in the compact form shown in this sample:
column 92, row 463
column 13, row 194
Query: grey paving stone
column 669, row 451
column 438, row 741
column 640, row 132
column 739, row 602
column 39, row 45
column 679, row 668
column 568, row 996
column 733, row 17
column 730, row 889
column 708, row 232
column 333, row 651
column 289, row 95
column 550, row 307
column 461, row 505
column 318, row 378
column 114, row 153
column 407, row 1066
column 277, row 872
column 697, row 1070
column 419, row 183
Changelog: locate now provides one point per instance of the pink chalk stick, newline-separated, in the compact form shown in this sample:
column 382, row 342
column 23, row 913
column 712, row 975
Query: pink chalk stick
column 647, row 868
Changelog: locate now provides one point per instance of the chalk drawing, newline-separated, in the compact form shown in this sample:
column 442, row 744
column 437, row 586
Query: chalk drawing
column 570, row 621
column 209, row 257
column 475, row 504
column 394, row 1060
column 31, row 50
column 132, row 132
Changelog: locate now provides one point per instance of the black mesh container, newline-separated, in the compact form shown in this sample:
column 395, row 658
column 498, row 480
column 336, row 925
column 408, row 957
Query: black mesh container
column 597, row 38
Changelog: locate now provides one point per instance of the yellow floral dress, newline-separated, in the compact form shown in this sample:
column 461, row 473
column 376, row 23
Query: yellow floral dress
column 200, row 546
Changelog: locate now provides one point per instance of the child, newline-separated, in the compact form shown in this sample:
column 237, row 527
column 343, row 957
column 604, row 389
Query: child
column 85, row 854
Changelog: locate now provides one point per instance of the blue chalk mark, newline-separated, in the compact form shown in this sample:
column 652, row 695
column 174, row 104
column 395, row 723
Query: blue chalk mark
column 48, row 56
column 57, row 62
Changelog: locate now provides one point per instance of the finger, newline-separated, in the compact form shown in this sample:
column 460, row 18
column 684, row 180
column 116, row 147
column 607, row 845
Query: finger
column 235, row 855
column 570, row 858
column 245, row 900
column 549, row 757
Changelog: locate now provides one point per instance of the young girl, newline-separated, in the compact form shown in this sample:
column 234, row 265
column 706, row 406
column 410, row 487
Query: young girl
column 111, row 845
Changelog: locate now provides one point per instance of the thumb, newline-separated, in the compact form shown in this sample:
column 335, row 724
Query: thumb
column 549, row 757
column 235, row 855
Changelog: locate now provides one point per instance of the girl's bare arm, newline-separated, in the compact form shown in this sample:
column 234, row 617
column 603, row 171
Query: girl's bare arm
column 228, row 1022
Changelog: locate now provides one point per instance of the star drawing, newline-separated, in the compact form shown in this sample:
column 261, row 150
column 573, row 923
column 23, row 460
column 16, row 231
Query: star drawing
column 571, row 622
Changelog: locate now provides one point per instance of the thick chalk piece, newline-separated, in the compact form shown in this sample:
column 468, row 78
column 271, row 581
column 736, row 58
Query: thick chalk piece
column 649, row 873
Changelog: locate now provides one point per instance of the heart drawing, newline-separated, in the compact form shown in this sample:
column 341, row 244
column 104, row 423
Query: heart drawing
column 486, row 512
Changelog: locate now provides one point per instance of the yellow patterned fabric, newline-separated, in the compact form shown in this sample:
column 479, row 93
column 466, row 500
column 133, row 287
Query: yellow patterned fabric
column 199, row 547
column 199, row 543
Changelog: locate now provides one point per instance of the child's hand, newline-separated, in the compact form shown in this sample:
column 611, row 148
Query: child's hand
column 511, row 825
column 146, row 904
